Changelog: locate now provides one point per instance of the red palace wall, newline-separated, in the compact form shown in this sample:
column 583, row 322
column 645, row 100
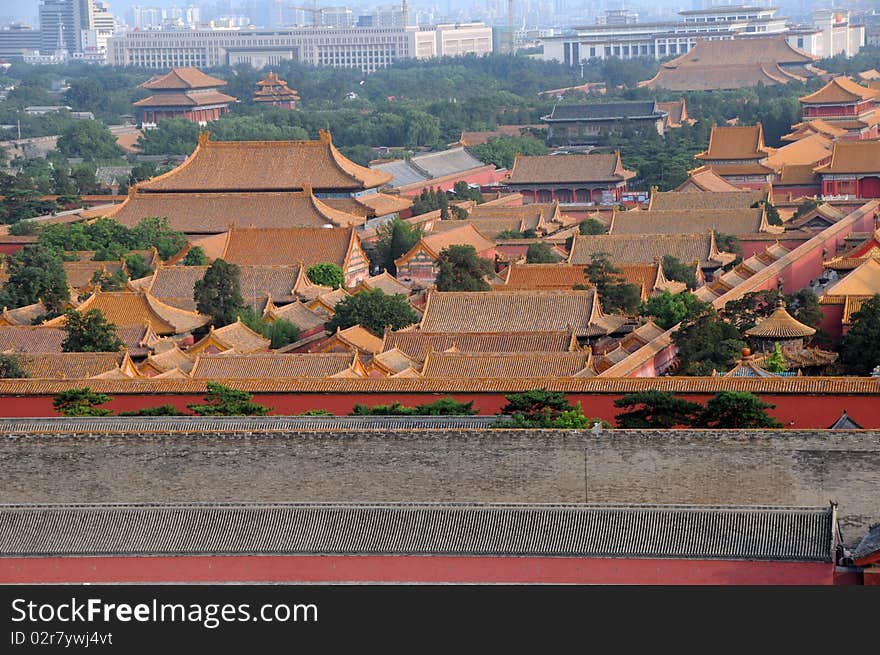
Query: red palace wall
column 793, row 410
column 397, row 568
column 485, row 176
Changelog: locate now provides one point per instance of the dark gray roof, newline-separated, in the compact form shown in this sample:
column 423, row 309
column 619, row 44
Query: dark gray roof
column 647, row 531
column 404, row 173
column 845, row 422
column 869, row 544
column 605, row 111
column 229, row 424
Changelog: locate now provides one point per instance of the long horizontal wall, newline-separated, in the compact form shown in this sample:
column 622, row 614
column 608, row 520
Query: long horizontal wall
column 794, row 410
column 778, row 468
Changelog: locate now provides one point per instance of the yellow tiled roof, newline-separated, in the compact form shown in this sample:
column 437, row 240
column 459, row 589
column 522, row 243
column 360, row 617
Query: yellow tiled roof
column 736, row 142
column 691, row 221
column 841, row 89
column 360, row 338
column 706, row 179
column 507, row 365
column 564, row 169
column 270, row 366
column 183, row 78
column 853, row 157
column 266, row 166
column 780, row 325
column 863, row 281
column 305, row 245
column 645, row 248
column 513, row 311
column 213, row 213
column 678, row 200
column 415, row 344
column 69, row 365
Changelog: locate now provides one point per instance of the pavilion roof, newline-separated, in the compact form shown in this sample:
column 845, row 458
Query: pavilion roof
column 184, row 99
column 266, row 166
column 863, row 281
column 780, row 325
column 839, row 90
column 236, row 337
column 705, row 179
column 183, row 78
column 269, row 366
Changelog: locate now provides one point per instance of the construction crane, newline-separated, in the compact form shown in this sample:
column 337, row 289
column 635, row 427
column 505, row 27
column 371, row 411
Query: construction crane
column 314, row 10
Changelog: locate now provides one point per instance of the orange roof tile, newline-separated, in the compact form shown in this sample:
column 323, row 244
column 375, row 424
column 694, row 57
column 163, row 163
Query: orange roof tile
column 358, row 338
column 733, row 64
column 815, row 126
column 415, row 344
column 288, row 246
column 678, row 200
column 809, row 150
column 389, row 284
column 513, row 311
column 175, row 285
column 191, row 99
column 69, row 366
column 297, row 313
column 183, row 78
column 545, row 276
column 604, row 384
column 646, row 248
column 705, row 179
column 236, row 337
column 507, row 365
column 30, row 339
column 691, row 221
column 212, row 213
column 736, row 142
column 863, row 281
column 23, row 315
column 563, row 169
column 305, row 365
column 125, row 308
column 851, row 305
column 840, row 90
column 853, row 157
column 370, row 205
column 266, row 166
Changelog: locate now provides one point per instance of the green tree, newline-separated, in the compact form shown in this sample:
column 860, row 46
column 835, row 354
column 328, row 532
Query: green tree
column 137, row 266
column 463, row 191
column 675, row 269
column 729, row 243
column 195, row 256
column 109, row 281
column 461, row 269
column 393, row 239
column 161, row 410
column 156, row 232
column 745, row 312
column 447, row 406
column 775, row 363
column 221, row 400
column 591, row 226
column 502, row 151
column 91, row 140
column 81, row 402
column 279, row 332
column 860, row 347
column 734, row 410
column 89, row 332
column 326, row 274
column 668, row 309
column 35, row 274
column 10, row 367
column 707, row 344
column 541, row 253
column 656, row 409
column 805, row 207
column 218, row 293
column 537, row 408
column 615, row 294
column 373, row 310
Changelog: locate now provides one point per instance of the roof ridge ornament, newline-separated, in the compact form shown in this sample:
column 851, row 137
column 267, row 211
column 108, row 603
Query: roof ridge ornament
column 204, row 137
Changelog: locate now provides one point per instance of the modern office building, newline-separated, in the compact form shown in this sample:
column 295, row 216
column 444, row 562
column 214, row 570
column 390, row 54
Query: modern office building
column 831, row 32
column 357, row 47
column 17, row 39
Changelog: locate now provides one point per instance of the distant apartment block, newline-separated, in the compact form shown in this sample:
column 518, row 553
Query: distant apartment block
column 830, row 33
column 367, row 48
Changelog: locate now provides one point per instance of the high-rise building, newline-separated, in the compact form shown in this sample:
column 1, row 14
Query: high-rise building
column 62, row 23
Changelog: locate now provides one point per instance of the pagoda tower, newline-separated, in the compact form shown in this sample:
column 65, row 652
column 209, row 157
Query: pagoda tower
column 274, row 91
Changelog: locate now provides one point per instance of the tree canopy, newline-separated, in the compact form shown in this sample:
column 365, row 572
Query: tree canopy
column 667, row 309
column 35, row 274
column 221, row 400
column 326, row 274
column 373, row 310
column 461, row 269
column 89, row 332
column 707, row 344
column 656, row 409
column 615, row 294
column 81, row 401
column 860, row 347
column 733, row 410
column 393, row 239
column 218, row 293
